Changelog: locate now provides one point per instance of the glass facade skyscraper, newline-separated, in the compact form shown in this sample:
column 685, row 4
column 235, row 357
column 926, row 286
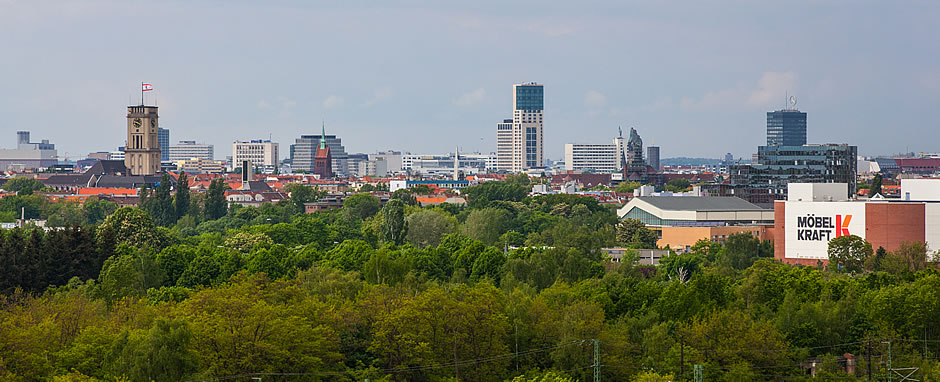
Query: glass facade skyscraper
column 163, row 137
column 786, row 128
column 766, row 180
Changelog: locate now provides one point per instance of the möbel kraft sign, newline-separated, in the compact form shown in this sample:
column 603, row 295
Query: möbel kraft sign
column 811, row 225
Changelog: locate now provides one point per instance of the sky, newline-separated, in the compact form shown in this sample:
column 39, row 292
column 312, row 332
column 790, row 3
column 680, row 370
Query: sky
column 695, row 78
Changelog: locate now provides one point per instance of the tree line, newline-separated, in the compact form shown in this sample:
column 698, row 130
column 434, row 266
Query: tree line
column 509, row 287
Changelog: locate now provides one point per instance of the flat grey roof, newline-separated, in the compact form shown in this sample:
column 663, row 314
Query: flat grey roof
column 700, row 203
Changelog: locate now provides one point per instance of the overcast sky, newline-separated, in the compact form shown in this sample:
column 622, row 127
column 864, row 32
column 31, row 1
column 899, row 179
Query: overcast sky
column 695, row 78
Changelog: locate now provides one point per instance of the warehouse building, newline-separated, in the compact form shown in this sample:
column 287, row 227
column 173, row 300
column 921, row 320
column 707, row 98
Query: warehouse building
column 814, row 214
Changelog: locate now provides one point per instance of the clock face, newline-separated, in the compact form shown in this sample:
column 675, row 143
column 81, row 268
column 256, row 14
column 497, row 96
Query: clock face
column 153, row 123
column 137, row 122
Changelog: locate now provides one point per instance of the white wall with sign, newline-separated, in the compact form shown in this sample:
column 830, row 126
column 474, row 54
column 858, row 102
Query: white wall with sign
column 811, row 225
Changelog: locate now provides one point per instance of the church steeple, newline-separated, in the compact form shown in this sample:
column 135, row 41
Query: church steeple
column 323, row 159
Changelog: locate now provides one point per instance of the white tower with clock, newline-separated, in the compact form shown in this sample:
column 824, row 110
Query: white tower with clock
column 142, row 150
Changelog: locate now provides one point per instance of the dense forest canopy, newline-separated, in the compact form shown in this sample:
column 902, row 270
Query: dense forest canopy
column 511, row 287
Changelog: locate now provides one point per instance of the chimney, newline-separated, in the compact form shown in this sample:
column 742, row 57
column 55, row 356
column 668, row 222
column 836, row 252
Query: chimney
column 246, row 174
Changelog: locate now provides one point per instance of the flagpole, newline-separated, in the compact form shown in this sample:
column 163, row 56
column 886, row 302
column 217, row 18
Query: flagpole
column 141, row 94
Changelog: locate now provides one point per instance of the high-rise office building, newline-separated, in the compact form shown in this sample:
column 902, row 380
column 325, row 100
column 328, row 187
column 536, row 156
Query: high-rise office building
column 163, row 136
column 594, row 157
column 304, row 150
column 766, row 181
column 504, row 145
column 525, row 148
column 142, row 151
column 788, row 159
column 185, row 150
column 261, row 153
column 786, row 127
column 652, row 156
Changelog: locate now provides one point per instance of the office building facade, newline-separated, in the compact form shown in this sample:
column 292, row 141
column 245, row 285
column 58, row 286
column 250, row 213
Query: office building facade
column 652, row 156
column 524, row 147
column 163, row 136
column 597, row 158
column 190, row 149
column 387, row 162
column 504, row 145
column 766, row 181
column 786, row 127
column 261, row 153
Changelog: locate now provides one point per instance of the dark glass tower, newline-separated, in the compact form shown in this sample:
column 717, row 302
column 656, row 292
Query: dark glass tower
column 786, row 128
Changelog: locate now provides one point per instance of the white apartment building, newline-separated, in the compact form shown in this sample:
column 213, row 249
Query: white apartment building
column 262, row 154
column 596, row 157
column 519, row 146
column 185, row 150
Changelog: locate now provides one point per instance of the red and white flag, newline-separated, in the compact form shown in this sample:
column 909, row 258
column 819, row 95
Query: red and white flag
column 146, row 87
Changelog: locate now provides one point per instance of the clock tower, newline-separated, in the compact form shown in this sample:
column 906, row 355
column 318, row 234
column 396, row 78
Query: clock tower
column 142, row 150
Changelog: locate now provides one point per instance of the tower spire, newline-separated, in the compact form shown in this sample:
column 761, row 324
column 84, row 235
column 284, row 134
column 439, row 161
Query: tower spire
column 323, row 136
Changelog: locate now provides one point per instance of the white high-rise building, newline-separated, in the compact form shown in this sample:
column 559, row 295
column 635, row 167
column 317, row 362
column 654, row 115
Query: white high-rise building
column 504, row 145
column 186, row 150
column 519, row 146
column 261, row 153
column 596, row 157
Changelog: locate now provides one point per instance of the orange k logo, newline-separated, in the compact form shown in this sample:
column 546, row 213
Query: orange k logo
column 842, row 225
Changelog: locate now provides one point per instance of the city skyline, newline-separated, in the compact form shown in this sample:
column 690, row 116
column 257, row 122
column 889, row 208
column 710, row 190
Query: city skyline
column 249, row 71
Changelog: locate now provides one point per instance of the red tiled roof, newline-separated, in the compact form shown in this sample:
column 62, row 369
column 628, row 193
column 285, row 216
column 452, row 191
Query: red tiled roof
column 107, row 191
